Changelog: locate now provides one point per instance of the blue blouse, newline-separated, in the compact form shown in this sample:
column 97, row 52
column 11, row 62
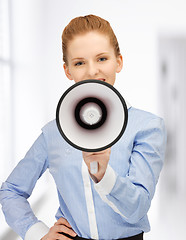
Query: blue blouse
column 115, row 207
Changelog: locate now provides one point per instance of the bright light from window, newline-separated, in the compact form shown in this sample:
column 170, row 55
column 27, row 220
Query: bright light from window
column 4, row 30
column 5, row 91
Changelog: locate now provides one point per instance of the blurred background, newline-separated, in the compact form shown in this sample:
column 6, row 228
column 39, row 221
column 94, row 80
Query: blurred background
column 152, row 37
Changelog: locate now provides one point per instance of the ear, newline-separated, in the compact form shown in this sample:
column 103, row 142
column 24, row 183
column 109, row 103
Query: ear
column 119, row 63
column 67, row 72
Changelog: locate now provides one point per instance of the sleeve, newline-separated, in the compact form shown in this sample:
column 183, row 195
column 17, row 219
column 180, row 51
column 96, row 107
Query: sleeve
column 131, row 196
column 18, row 187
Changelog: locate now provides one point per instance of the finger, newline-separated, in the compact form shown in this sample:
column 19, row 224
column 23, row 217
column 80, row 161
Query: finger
column 66, row 236
column 88, row 154
column 64, row 229
column 63, row 221
column 102, row 152
column 62, row 236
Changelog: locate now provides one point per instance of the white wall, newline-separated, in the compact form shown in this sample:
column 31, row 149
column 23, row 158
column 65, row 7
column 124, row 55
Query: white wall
column 38, row 74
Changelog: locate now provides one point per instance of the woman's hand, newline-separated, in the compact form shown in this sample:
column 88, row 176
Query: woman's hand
column 102, row 158
column 61, row 226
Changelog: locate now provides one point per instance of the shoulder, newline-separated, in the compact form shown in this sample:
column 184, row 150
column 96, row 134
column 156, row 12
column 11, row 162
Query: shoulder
column 141, row 114
column 51, row 125
column 140, row 121
column 142, row 118
column 50, row 129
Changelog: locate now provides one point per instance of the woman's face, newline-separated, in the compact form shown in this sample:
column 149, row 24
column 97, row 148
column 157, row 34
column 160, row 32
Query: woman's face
column 91, row 56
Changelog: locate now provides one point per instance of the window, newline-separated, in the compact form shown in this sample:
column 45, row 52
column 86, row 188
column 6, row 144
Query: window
column 6, row 122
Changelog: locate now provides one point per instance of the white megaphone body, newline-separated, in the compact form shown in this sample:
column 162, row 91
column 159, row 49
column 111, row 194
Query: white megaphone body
column 91, row 116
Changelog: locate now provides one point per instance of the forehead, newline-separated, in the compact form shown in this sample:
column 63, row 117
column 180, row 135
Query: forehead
column 88, row 44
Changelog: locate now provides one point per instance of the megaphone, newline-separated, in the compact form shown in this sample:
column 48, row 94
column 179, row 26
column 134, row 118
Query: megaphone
column 91, row 115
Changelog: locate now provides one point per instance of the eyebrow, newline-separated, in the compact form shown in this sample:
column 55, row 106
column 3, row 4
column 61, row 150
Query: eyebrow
column 103, row 53
column 77, row 59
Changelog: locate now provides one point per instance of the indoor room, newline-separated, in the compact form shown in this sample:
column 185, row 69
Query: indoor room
column 152, row 39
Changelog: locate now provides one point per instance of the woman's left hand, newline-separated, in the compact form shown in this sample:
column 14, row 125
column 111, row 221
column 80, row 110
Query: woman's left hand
column 102, row 158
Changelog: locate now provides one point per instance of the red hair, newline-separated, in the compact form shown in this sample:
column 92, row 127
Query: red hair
column 83, row 25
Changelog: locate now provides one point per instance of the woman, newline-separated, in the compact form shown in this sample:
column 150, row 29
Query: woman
column 113, row 203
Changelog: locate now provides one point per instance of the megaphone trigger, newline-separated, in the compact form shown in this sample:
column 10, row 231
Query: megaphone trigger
column 93, row 167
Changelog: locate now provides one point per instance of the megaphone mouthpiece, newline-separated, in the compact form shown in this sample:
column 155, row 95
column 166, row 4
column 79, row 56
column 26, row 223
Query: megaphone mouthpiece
column 90, row 113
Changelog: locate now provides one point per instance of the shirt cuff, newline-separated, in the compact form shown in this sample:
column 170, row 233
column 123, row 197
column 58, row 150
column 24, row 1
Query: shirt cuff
column 36, row 231
column 105, row 186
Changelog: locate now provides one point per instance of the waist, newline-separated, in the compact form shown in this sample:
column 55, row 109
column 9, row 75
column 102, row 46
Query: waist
column 136, row 237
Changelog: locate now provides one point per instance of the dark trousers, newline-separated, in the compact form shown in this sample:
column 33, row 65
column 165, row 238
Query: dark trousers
column 136, row 237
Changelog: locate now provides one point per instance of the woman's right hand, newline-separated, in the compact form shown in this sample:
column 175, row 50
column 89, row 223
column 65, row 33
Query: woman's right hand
column 61, row 226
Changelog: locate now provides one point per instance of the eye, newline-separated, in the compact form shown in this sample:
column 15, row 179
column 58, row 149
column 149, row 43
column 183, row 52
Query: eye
column 102, row 59
column 78, row 64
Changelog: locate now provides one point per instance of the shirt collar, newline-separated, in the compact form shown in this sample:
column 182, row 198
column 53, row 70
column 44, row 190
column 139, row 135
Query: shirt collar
column 128, row 104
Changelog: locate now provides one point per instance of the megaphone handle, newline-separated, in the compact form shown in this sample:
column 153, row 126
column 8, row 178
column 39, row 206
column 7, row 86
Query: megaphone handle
column 93, row 167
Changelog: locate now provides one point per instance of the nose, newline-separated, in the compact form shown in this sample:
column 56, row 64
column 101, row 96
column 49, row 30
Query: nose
column 92, row 70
